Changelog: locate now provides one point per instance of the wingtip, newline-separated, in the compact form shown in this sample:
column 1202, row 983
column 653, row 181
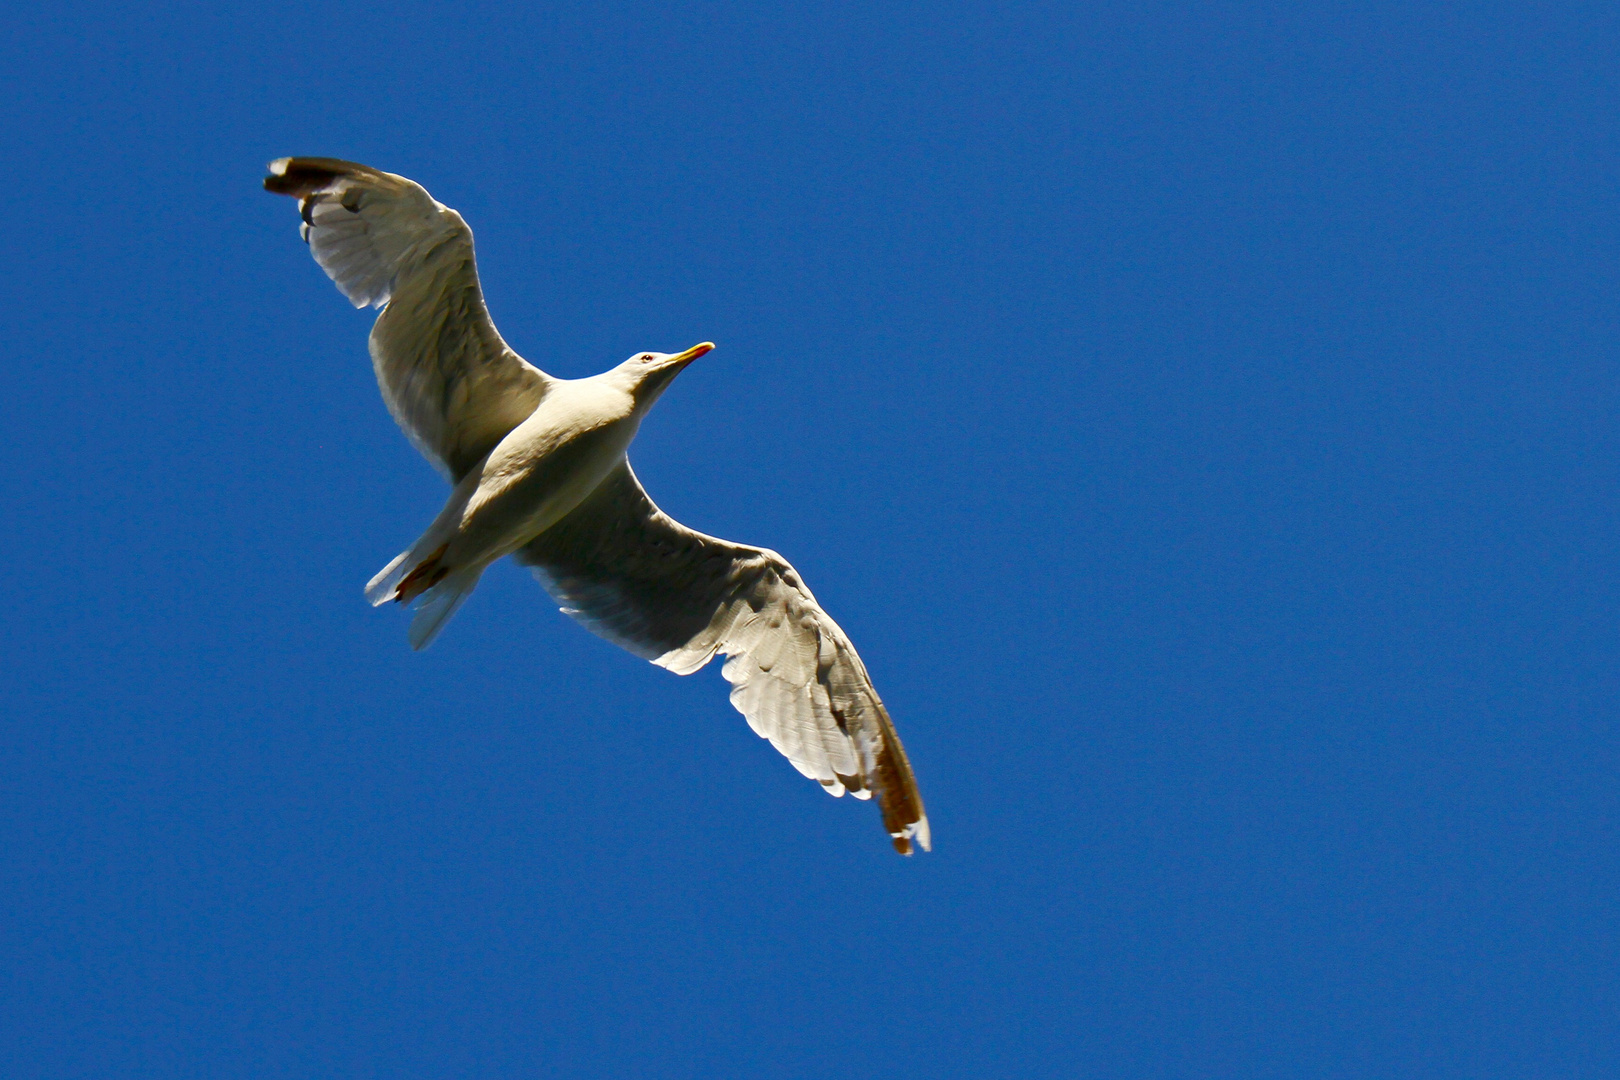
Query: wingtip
column 278, row 181
column 300, row 176
column 918, row 832
column 897, row 793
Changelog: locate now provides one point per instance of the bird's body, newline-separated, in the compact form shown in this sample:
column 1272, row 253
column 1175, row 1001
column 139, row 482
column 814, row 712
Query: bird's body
column 546, row 466
column 539, row 471
column 535, row 476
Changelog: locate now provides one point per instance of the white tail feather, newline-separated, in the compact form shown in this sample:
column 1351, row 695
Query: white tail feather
column 437, row 604
column 380, row 589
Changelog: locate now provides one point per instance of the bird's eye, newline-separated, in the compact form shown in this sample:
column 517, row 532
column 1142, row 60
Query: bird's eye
column 646, row 356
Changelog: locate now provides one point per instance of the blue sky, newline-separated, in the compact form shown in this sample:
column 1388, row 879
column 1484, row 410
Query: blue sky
column 1202, row 417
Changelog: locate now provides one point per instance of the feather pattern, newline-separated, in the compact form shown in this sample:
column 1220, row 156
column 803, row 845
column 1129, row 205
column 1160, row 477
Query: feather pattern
column 451, row 382
column 634, row 575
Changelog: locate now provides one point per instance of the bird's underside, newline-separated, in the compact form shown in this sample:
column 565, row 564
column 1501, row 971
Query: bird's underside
column 561, row 498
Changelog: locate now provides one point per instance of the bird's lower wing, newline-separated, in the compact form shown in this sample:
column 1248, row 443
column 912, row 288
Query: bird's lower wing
column 676, row 597
column 449, row 379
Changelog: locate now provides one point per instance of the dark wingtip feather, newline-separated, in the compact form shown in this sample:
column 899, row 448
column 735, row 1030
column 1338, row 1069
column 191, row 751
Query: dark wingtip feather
column 898, row 797
column 300, row 176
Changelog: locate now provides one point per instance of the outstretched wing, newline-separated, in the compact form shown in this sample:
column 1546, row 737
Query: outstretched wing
column 450, row 381
column 632, row 574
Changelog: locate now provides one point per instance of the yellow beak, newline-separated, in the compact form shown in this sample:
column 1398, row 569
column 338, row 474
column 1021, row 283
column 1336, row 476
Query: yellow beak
column 692, row 354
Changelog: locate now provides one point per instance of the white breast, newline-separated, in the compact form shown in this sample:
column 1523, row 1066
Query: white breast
column 544, row 469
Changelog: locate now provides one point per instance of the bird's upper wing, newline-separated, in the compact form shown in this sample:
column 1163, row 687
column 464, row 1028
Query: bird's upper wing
column 637, row 577
column 452, row 384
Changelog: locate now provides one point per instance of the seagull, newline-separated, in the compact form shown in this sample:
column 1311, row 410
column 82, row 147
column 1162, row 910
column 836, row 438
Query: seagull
column 538, row 472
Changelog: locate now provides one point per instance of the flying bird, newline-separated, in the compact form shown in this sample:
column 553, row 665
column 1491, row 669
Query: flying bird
column 539, row 473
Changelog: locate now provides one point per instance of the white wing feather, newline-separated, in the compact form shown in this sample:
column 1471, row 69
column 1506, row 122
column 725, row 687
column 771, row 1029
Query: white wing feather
column 637, row 577
column 451, row 382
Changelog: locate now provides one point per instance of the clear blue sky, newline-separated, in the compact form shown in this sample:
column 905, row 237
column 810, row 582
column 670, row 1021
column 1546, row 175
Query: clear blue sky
column 1203, row 418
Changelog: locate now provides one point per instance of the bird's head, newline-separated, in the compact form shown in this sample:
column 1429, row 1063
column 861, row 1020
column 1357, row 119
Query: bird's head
column 649, row 373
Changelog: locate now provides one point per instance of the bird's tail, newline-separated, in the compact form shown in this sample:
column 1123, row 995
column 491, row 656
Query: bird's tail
column 439, row 602
column 419, row 575
column 386, row 585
